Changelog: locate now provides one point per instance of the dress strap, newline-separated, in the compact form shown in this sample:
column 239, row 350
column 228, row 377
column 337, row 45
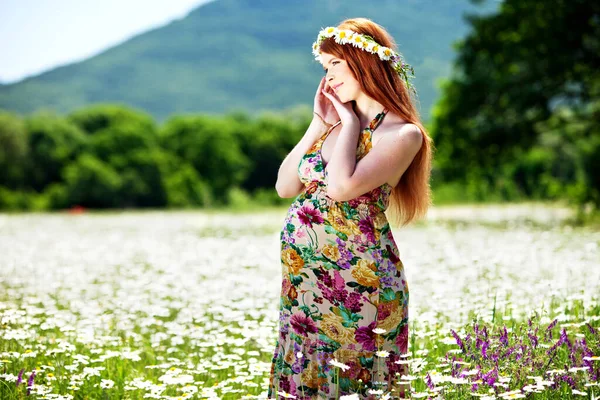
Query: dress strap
column 377, row 120
column 328, row 131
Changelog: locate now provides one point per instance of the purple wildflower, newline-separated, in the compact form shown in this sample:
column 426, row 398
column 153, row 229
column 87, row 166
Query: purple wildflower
column 504, row 337
column 548, row 335
column 429, row 382
column 20, row 377
column 484, row 348
column 30, row 382
column 459, row 342
column 490, row 377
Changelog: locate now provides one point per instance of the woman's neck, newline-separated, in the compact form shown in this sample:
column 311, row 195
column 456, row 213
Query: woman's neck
column 366, row 109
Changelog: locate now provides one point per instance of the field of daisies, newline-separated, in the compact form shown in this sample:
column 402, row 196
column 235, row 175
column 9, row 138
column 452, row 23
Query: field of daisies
column 505, row 303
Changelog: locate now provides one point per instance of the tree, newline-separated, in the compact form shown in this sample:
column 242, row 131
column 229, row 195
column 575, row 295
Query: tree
column 511, row 73
column 211, row 147
column 14, row 151
column 53, row 143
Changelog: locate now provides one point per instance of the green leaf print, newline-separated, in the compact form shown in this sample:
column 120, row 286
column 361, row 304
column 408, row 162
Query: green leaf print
column 384, row 229
column 388, row 294
column 348, row 210
column 296, row 280
column 366, row 362
column 350, row 319
column 355, row 260
column 308, row 253
column 332, row 345
column 296, row 338
column 287, row 370
column 332, row 230
column 290, row 228
column 345, row 384
column 305, row 309
column 319, row 167
column 329, row 265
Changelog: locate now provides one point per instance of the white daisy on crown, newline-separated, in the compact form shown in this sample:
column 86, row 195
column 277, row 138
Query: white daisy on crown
column 366, row 43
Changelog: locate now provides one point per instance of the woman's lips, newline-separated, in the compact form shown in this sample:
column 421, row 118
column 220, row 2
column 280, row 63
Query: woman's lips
column 337, row 86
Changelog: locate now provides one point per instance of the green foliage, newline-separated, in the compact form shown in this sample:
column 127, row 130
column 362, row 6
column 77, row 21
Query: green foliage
column 92, row 183
column 53, row 142
column 112, row 156
column 208, row 144
column 14, row 150
column 518, row 118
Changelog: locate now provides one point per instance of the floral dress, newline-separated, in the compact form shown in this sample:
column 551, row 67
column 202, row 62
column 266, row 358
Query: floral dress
column 342, row 278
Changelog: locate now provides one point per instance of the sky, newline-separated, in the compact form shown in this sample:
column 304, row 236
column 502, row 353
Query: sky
column 37, row 35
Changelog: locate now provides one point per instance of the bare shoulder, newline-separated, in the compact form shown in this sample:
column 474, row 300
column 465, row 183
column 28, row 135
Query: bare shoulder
column 411, row 133
column 402, row 132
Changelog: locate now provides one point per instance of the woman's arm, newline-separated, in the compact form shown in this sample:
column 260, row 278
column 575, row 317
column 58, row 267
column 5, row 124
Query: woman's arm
column 288, row 182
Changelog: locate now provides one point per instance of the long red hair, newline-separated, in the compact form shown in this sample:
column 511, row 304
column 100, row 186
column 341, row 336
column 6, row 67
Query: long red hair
column 411, row 197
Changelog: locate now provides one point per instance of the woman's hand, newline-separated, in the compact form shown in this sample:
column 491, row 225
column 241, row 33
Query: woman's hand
column 344, row 110
column 323, row 107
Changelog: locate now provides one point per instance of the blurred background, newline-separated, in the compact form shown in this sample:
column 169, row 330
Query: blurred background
column 195, row 103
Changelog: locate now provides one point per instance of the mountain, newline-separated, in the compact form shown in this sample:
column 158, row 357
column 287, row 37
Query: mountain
column 242, row 54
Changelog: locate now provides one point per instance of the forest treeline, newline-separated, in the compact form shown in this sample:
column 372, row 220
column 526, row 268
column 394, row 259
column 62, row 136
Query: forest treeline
column 113, row 156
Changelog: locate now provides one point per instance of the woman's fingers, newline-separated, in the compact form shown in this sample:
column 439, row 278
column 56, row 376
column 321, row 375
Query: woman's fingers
column 321, row 85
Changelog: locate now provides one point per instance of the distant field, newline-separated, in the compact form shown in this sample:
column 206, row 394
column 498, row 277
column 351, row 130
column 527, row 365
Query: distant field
column 175, row 305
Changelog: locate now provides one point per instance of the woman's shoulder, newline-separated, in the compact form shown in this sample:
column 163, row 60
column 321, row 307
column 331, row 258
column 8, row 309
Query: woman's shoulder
column 399, row 126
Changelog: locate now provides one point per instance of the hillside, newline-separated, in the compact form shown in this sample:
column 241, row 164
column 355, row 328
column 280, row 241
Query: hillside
column 241, row 54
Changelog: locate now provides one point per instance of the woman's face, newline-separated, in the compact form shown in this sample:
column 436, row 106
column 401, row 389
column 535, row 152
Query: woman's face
column 340, row 78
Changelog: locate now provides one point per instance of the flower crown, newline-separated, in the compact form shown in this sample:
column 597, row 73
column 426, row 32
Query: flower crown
column 367, row 43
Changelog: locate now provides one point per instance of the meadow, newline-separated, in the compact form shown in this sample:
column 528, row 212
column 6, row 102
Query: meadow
column 505, row 303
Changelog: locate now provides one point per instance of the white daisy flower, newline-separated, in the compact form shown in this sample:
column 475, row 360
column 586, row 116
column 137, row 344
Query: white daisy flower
column 344, row 36
column 286, row 395
column 382, row 353
column 329, row 31
column 372, row 48
column 338, row 364
column 379, row 331
column 107, row 384
column 385, row 53
column 357, row 40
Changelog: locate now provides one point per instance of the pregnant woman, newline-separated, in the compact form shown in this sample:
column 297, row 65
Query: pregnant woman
column 343, row 321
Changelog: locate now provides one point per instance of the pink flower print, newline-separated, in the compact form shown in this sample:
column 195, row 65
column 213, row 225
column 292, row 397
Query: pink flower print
column 301, row 233
column 307, row 170
column 309, row 215
column 402, row 339
column 303, row 324
column 365, row 336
